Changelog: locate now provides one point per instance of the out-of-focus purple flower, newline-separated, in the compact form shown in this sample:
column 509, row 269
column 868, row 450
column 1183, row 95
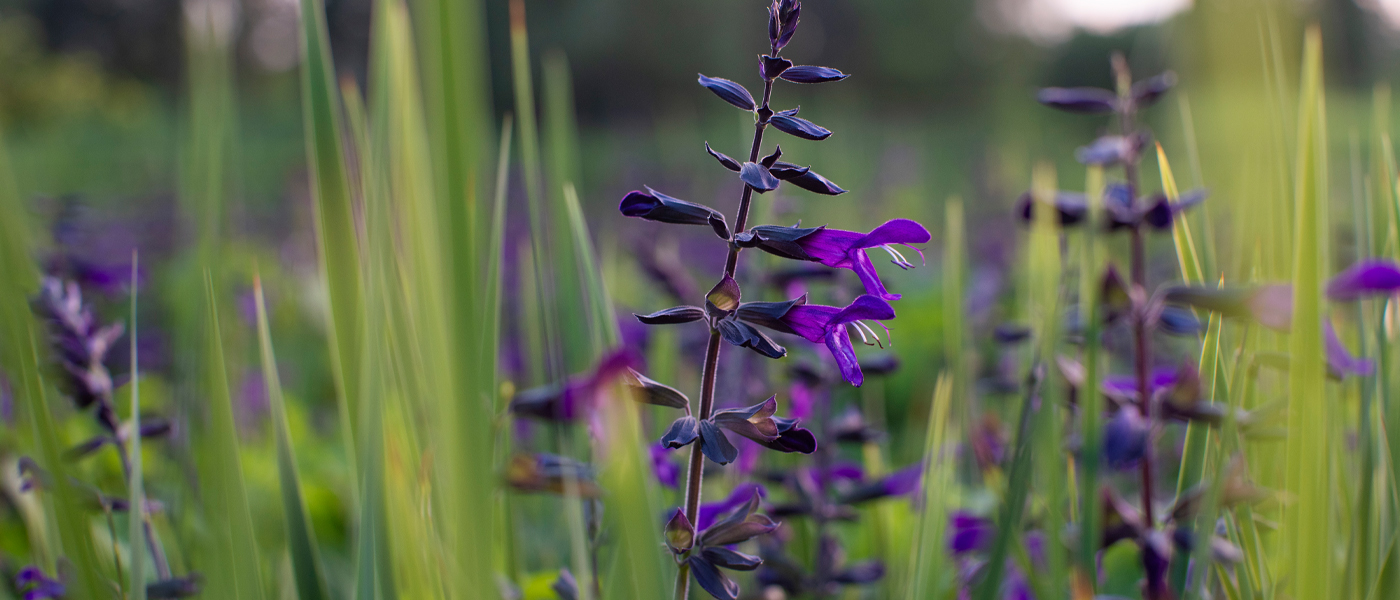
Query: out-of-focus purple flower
column 827, row 324
column 38, row 586
column 850, row 426
column 575, row 398
column 1125, row 439
column 7, row 401
column 968, row 533
column 899, row 483
column 1340, row 361
column 1125, row 386
column 565, row 586
column 1146, row 92
column 1363, row 279
column 1111, row 150
column 989, row 442
column 741, row 494
column 729, row 91
column 666, row 471
column 252, row 402
column 1085, row 100
column 800, row 400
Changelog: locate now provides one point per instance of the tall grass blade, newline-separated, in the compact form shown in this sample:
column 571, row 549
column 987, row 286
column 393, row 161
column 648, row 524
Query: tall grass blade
column 634, row 514
column 231, row 552
column 1090, row 267
column 136, row 488
column 301, row 542
column 540, row 230
column 1050, row 461
column 336, row 237
column 929, row 569
column 1307, row 541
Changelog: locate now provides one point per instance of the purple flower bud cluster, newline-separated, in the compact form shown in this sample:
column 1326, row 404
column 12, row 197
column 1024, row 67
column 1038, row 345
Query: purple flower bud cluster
column 748, row 324
column 82, row 347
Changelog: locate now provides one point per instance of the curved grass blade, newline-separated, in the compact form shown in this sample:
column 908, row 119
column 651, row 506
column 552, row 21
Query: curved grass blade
column 136, row 533
column 301, row 542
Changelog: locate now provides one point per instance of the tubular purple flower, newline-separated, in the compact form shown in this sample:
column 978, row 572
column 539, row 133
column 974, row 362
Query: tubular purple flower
column 827, row 324
column 846, row 250
column 1363, row 279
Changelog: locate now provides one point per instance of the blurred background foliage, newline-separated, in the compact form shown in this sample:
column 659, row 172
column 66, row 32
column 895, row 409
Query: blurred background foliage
column 94, row 103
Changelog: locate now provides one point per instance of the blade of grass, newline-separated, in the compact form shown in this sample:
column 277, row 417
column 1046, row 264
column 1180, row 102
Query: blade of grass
column 301, row 541
column 136, row 490
column 1090, row 267
column 234, row 570
column 635, row 510
column 928, row 562
column 336, row 236
column 1050, row 460
column 1307, row 541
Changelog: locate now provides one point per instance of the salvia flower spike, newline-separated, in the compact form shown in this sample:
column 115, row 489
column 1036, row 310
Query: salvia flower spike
column 730, row 319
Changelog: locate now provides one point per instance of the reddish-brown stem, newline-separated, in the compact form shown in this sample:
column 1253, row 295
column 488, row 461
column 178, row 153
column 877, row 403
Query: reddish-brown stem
column 695, row 472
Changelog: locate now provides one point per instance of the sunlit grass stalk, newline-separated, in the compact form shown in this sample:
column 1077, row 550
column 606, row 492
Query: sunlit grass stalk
column 1307, row 541
column 1091, row 410
column 136, row 490
column 1051, row 462
column 928, row 564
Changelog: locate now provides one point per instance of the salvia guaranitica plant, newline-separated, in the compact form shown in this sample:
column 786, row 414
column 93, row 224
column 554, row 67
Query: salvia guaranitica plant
column 701, row 551
column 82, row 347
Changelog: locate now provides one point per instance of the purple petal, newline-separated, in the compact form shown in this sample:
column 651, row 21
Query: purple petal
column 811, row 74
column 1340, row 361
column 1127, row 384
column 741, row 494
column 831, row 247
column 895, row 231
column 1125, row 439
column 838, row 341
column 799, row 127
column 1079, row 100
column 758, row 177
column 666, row 471
column 869, row 277
column 712, row 580
column 810, row 320
column 729, row 91
column 904, row 481
column 865, row 308
column 968, row 532
column 724, row 160
column 1366, row 278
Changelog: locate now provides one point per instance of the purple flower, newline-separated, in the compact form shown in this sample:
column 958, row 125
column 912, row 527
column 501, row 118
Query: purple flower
column 666, row 471
column 1366, row 278
column 1125, row 439
column 756, row 423
column 968, row 532
column 1126, row 385
column 827, row 324
column 844, row 249
column 740, row 495
column 574, row 398
column 710, row 552
column 38, row 586
column 729, row 91
column 899, row 483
